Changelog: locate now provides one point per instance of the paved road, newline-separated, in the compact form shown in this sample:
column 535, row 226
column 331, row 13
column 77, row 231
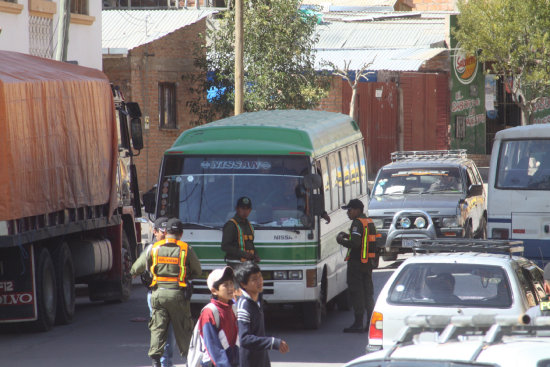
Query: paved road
column 117, row 335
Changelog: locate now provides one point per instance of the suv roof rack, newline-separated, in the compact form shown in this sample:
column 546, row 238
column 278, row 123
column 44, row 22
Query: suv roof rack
column 492, row 328
column 428, row 154
column 468, row 245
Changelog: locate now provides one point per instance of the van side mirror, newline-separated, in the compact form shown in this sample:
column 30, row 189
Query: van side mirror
column 149, row 200
column 475, row 190
column 136, row 133
column 313, row 181
column 317, row 202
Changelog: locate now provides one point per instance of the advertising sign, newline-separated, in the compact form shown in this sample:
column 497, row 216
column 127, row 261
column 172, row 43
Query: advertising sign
column 467, row 125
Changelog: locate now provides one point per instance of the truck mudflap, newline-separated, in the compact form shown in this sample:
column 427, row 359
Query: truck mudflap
column 17, row 288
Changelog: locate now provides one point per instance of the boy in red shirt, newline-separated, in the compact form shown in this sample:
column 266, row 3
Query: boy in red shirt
column 221, row 342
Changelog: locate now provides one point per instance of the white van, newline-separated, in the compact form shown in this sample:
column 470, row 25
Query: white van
column 519, row 189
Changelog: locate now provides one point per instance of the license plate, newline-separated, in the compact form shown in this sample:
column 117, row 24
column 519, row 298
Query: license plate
column 407, row 243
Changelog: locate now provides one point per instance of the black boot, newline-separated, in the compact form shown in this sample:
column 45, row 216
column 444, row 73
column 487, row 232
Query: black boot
column 357, row 326
column 156, row 362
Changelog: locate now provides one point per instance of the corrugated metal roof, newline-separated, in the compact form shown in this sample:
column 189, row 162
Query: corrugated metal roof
column 410, row 59
column 402, row 33
column 123, row 30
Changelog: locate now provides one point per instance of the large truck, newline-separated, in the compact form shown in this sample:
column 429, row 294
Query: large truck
column 69, row 198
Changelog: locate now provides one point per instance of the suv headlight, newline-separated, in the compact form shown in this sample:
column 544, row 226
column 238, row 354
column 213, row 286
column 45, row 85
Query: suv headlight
column 378, row 223
column 405, row 222
column 449, row 222
column 420, row 222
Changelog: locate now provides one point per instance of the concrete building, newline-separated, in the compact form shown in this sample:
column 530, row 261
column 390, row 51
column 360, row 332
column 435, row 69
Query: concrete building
column 33, row 27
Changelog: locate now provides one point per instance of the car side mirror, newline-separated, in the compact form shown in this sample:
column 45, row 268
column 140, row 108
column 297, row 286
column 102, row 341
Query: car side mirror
column 475, row 190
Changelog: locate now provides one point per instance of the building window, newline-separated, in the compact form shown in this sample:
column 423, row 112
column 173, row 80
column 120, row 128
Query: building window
column 167, row 105
column 79, row 7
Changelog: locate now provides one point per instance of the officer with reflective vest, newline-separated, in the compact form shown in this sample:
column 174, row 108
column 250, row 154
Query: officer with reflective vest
column 238, row 235
column 172, row 264
column 361, row 253
column 543, row 308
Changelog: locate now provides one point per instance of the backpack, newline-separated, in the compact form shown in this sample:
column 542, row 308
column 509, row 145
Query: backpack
column 196, row 347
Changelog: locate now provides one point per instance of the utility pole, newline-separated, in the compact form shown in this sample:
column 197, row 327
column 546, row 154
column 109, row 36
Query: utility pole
column 63, row 23
column 239, row 40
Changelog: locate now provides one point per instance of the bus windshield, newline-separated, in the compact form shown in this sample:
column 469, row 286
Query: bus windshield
column 524, row 164
column 203, row 191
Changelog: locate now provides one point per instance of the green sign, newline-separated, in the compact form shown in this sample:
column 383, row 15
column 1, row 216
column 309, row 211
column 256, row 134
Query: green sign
column 467, row 125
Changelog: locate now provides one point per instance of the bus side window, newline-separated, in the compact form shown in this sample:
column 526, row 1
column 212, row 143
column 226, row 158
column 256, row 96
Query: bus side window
column 347, row 176
column 334, row 186
column 325, row 174
column 354, row 171
column 363, row 167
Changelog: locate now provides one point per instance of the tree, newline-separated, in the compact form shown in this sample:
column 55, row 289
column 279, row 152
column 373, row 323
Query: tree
column 352, row 78
column 512, row 38
column 278, row 60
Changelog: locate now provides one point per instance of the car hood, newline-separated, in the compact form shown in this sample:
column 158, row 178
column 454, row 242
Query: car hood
column 434, row 204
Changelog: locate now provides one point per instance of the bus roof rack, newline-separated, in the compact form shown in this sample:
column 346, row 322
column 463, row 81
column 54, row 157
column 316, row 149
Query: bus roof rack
column 468, row 245
column 428, row 154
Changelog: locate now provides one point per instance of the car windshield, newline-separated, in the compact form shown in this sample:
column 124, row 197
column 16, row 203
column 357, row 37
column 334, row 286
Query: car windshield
column 524, row 164
column 463, row 285
column 203, row 191
column 418, row 180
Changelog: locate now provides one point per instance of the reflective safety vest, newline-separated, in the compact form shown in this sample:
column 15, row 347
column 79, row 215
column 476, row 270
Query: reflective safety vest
column 367, row 252
column 244, row 237
column 169, row 260
column 544, row 306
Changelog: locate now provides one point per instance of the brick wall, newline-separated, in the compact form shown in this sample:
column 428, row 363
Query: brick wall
column 333, row 102
column 167, row 59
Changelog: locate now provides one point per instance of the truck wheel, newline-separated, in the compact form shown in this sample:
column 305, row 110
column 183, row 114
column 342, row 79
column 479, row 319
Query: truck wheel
column 126, row 265
column 64, row 277
column 46, row 297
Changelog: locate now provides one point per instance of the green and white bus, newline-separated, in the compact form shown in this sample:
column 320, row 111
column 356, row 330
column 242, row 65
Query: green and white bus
column 316, row 156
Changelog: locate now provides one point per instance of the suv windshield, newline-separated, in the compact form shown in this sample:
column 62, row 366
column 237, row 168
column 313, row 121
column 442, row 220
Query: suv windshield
column 418, row 180
column 464, row 285
column 202, row 191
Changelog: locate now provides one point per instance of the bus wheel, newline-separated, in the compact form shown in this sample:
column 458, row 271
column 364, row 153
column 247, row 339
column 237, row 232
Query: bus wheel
column 312, row 315
column 64, row 277
column 468, row 232
column 482, row 234
column 46, row 297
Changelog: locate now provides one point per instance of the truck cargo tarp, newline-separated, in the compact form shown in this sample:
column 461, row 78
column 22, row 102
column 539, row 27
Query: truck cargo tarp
column 58, row 137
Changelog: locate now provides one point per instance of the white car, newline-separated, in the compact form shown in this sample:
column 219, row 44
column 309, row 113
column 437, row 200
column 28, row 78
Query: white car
column 467, row 341
column 455, row 283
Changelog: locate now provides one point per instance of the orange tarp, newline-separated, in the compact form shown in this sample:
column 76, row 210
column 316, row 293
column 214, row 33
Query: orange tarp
column 58, row 137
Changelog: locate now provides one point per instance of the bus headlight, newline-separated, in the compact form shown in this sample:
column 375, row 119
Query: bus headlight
column 449, row 222
column 420, row 222
column 280, row 275
column 405, row 222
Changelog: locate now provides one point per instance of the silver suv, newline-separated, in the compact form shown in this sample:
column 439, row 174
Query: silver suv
column 427, row 195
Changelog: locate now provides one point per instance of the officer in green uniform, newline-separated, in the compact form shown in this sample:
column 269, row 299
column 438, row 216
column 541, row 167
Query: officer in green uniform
column 361, row 245
column 172, row 263
column 238, row 235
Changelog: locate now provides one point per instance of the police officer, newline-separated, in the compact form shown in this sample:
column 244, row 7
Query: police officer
column 140, row 268
column 361, row 245
column 238, row 235
column 172, row 263
column 543, row 308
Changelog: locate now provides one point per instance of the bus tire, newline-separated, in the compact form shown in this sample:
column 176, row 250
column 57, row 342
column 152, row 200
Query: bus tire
column 468, row 232
column 312, row 315
column 64, row 278
column 482, row 233
column 46, row 295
